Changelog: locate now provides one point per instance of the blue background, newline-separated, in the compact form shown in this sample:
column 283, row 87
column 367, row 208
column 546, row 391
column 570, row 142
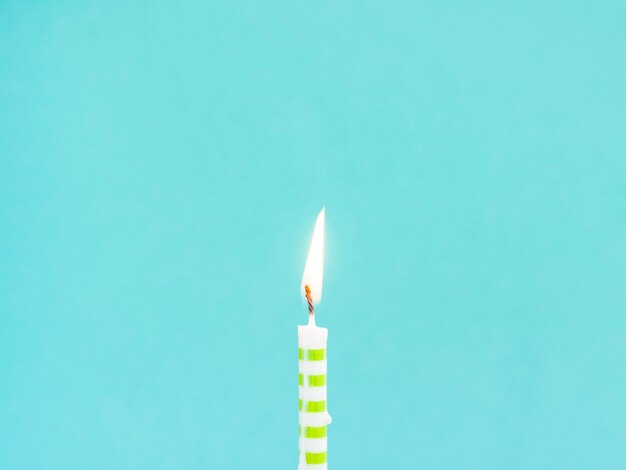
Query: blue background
column 161, row 167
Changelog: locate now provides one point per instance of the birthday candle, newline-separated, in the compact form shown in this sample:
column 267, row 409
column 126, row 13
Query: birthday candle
column 313, row 414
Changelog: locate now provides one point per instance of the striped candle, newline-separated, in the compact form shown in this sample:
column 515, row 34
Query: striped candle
column 313, row 414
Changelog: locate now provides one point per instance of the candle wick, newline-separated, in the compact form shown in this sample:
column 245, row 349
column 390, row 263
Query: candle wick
column 309, row 299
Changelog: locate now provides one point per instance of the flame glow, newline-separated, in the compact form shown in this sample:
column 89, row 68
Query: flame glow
column 314, row 269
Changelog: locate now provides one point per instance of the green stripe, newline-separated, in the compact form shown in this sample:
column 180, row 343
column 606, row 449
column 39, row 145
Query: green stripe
column 313, row 380
column 313, row 406
column 314, row 433
column 316, row 406
column 316, row 354
column 315, row 458
column 311, row 354
column 317, row 380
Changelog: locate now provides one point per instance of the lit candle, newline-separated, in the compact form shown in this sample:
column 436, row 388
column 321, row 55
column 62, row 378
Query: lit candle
column 313, row 414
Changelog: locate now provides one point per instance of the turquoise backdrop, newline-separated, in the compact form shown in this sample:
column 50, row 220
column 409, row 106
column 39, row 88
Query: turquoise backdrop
column 161, row 167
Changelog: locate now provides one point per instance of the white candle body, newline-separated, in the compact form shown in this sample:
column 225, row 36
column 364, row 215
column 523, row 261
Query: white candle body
column 313, row 414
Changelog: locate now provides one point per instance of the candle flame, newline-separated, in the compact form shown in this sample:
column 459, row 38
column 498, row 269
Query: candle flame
column 314, row 268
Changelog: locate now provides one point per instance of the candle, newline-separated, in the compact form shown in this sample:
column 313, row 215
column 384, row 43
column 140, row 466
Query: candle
column 313, row 414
